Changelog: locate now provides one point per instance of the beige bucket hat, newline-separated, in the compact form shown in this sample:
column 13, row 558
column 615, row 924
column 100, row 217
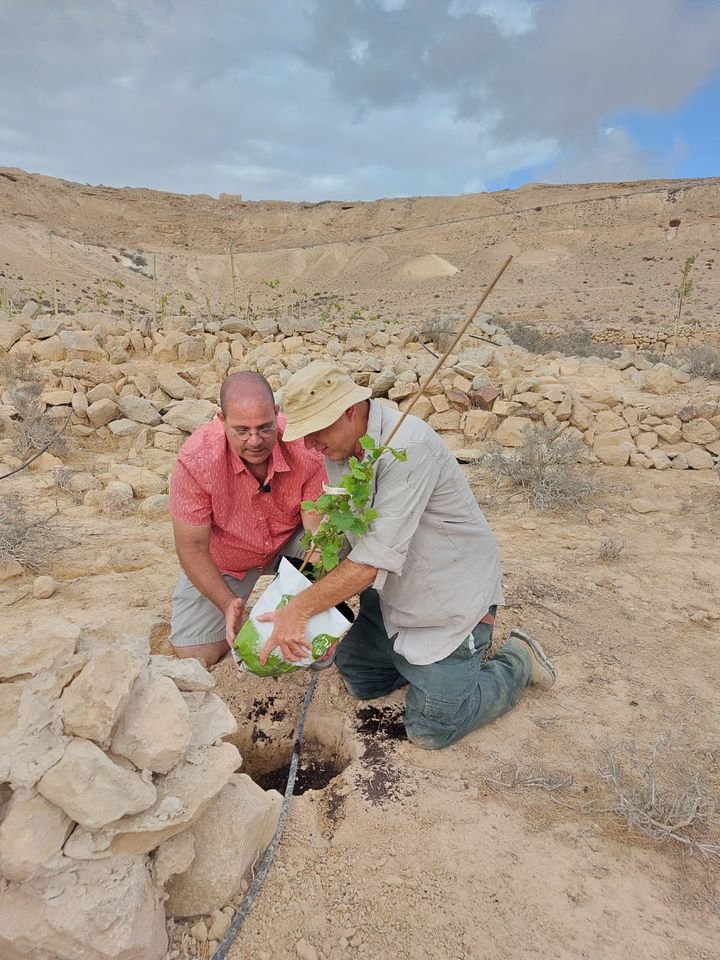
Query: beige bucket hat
column 317, row 396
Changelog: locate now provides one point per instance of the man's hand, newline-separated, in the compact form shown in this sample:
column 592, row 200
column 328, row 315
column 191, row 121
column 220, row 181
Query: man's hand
column 234, row 610
column 288, row 634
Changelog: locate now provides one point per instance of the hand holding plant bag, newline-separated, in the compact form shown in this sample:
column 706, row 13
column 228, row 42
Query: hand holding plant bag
column 322, row 631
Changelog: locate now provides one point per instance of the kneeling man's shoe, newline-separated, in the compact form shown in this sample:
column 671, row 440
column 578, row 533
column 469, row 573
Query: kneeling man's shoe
column 544, row 673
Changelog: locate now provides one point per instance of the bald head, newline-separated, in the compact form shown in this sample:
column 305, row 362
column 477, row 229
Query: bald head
column 245, row 386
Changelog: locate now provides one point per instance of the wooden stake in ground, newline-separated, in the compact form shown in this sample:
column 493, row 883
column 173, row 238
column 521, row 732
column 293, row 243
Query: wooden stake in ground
column 234, row 284
column 53, row 278
column 441, row 360
column 154, row 314
column 424, row 385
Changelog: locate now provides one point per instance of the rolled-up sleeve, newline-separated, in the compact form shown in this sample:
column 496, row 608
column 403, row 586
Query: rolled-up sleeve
column 313, row 485
column 403, row 489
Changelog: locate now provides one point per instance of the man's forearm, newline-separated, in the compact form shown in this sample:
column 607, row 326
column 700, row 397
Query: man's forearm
column 205, row 576
column 345, row 581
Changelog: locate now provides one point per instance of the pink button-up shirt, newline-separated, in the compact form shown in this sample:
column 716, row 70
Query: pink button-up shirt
column 211, row 484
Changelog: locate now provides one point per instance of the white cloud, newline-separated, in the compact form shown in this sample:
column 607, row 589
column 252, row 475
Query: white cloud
column 345, row 98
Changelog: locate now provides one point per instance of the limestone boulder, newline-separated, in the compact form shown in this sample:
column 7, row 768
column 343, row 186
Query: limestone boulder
column 182, row 796
column 144, row 482
column 10, row 333
column 614, row 448
column 10, row 694
column 249, row 815
column 511, row 432
column 93, row 790
column 155, row 507
column 154, row 731
column 42, row 328
column 31, row 838
column 140, row 410
column 173, row 857
column 187, row 674
column 32, row 740
column 189, row 414
column 700, row 431
column 607, row 421
column 698, row 459
column 176, row 386
column 659, row 380
column 83, row 343
column 210, row 719
column 93, row 702
column 102, row 910
column 660, row 460
column 26, row 653
column 123, row 427
column 102, row 411
column 581, row 416
column 478, row 423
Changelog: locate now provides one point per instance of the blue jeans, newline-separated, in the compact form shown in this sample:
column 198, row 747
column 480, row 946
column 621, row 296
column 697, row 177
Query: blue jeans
column 445, row 700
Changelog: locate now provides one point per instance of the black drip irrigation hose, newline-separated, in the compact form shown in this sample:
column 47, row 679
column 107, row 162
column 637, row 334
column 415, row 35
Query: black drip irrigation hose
column 254, row 888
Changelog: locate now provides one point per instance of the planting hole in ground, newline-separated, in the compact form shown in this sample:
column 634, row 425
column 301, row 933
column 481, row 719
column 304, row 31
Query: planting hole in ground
column 316, row 769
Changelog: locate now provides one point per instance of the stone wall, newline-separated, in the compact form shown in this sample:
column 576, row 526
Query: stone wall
column 113, row 771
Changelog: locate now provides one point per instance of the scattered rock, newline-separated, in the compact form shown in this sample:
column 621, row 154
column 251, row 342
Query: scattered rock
column 43, row 587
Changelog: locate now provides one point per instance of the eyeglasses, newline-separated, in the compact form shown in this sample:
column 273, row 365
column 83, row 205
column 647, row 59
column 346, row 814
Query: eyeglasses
column 244, row 433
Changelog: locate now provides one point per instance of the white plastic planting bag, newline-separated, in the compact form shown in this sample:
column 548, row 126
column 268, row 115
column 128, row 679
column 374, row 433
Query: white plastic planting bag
column 322, row 630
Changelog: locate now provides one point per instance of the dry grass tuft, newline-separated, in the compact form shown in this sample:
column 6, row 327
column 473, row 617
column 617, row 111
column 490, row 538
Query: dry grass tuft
column 27, row 541
column 544, row 468
column 660, row 795
column 515, row 775
column 610, row 550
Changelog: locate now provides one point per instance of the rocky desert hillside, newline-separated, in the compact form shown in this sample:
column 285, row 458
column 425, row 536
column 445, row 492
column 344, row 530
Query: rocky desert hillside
column 137, row 793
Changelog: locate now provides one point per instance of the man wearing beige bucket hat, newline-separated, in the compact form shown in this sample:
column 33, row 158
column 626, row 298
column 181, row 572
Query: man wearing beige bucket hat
column 427, row 571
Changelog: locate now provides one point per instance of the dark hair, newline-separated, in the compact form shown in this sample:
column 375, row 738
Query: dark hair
column 245, row 382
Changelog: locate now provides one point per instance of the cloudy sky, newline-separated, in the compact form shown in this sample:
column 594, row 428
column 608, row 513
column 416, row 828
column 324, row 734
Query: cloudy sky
column 357, row 99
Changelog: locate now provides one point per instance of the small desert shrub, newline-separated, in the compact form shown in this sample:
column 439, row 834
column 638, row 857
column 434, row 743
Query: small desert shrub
column 544, row 468
column 660, row 795
column 442, row 331
column 22, row 387
column 703, row 360
column 611, row 549
column 23, row 539
column 575, row 342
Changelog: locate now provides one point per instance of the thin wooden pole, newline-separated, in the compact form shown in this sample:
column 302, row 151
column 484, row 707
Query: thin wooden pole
column 52, row 275
column 441, row 360
column 234, row 284
column 154, row 295
column 435, row 369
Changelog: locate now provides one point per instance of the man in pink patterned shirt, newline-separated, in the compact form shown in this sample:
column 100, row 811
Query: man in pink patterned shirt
column 235, row 499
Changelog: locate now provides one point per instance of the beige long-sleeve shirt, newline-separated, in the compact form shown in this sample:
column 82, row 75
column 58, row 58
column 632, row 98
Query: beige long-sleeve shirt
column 438, row 563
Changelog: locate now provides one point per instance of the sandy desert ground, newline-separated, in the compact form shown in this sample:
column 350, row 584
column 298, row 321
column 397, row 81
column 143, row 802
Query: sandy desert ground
column 508, row 844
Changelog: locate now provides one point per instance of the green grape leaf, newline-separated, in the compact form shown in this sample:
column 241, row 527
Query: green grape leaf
column 367, row 443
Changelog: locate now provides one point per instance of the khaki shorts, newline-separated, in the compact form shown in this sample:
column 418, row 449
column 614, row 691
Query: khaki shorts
column 195, row 620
